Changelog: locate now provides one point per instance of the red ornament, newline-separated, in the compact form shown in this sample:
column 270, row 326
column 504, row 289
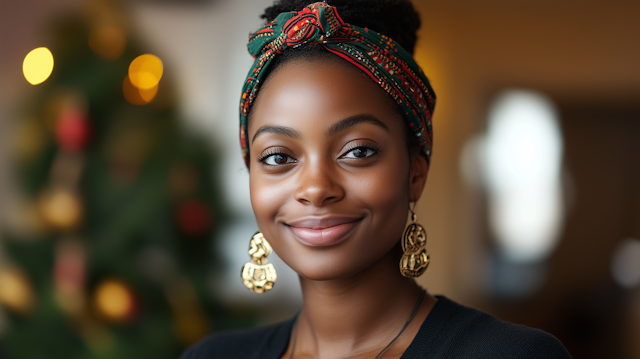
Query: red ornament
column 194, row 218
column 72, row 131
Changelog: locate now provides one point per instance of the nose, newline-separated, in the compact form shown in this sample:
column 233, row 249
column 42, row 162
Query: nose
column 319, row 184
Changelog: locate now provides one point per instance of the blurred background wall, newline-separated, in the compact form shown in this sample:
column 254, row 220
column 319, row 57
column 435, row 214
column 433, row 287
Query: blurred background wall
column 533, row 202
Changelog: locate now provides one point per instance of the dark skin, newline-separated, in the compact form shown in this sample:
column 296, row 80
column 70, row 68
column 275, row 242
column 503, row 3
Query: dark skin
column 331, row 183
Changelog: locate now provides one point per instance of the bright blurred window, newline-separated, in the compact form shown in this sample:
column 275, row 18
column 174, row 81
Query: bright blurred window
column 521, row 161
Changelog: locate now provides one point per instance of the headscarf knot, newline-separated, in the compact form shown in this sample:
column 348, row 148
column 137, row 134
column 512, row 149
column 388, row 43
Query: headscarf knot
column 313, row 24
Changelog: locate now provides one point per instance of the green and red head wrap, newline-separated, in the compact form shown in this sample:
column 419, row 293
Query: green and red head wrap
column 378, row 56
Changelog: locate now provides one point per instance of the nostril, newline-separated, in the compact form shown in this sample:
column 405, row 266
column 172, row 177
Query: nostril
column 318, row 183
column 319, row 194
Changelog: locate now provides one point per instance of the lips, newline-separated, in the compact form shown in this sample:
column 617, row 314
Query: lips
column 323, row 231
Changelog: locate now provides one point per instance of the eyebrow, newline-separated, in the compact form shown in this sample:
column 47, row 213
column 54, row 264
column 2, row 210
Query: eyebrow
column 334, row 129
column 278, row 130
column 354, row 120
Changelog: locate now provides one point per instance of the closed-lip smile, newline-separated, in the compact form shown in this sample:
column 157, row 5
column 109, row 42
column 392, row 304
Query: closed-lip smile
column 322, row 231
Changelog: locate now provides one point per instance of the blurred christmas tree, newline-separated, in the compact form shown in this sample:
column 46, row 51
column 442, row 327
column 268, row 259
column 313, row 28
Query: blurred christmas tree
column 124, row 208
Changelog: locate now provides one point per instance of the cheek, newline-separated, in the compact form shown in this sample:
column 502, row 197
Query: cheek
column 267, row 197
column 385, row 191
column 387, row 184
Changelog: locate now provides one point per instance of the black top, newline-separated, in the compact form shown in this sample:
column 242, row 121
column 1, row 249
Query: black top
column 450, row 331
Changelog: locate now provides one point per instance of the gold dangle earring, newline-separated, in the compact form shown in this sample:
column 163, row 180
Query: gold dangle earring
column 415, row 259
column 258, row 276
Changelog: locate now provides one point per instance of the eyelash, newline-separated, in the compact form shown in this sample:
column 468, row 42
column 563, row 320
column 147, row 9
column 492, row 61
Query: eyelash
column 367, row 146
column 278, row 151
column 271, row 152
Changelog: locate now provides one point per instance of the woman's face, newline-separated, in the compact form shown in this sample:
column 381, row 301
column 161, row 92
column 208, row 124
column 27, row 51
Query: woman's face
column 330, row 174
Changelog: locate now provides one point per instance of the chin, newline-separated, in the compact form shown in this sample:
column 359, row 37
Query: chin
column 320, row 266
column 322, row 273
column 327, row 265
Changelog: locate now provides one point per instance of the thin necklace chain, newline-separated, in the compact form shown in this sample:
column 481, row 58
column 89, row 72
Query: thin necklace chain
column 414, row 311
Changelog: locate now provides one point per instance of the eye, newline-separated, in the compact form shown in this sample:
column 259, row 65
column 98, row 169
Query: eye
column 276, row 159
column 361, row 152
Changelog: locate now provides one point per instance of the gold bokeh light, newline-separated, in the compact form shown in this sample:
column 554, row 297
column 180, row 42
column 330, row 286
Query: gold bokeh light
column 38, row 65
column 114, row 301
column 15, row 291
column 138, row 96
column 145, row 71
column 60, row 209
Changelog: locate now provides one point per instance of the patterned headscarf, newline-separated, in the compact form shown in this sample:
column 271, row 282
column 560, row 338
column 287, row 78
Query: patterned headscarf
column 375, row 54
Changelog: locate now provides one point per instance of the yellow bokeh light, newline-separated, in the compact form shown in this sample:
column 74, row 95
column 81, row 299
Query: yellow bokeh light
column 149, row 94
column 145, row 71
column 37, row 65
column 15, row 291
column 114, row 301
column 138, row 96
column 60, row 209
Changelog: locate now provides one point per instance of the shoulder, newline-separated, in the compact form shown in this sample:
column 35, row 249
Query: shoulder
column 264, row 342
column 467, row 331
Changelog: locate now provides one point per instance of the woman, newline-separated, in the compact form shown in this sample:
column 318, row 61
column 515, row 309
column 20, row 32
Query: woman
column 336, row 133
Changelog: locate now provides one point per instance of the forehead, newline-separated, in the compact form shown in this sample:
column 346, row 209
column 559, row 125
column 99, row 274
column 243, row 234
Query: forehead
column 322, row 92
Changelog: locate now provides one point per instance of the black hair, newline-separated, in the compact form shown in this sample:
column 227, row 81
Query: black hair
column 396, row 19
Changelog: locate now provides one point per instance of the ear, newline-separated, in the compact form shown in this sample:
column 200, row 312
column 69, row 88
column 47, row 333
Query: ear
column 417, row 176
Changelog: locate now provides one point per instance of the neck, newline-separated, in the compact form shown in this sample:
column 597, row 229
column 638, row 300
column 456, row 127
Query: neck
column 359, row 314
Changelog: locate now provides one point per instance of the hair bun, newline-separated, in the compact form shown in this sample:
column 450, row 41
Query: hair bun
column 397, row 19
